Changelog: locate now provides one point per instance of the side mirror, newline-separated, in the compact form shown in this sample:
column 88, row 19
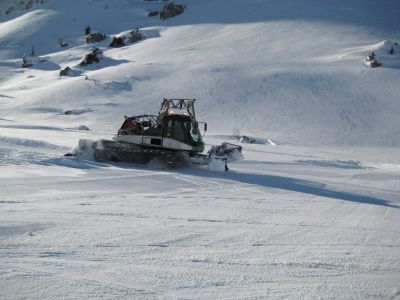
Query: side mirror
column 205, row 127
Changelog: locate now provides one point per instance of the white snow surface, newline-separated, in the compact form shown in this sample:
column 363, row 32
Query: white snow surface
column 313, row 212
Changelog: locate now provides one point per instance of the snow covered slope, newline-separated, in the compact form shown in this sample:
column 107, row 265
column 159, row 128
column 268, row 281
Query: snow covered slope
column 312, row 212
column 288, row 70
column 286, row 223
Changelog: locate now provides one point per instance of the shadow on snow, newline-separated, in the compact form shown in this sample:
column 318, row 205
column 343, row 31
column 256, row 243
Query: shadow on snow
column 295, row 185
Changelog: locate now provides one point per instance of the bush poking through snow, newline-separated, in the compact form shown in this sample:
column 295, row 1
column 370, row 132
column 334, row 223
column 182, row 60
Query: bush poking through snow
column 117, row 42
column 385, row 53
column 392, row 48
column 61, row 43
column 65, row 71
column 375, row 64
column 153, row 13
column 372, row 61
column 170, row 10
column 95, row 37
column 131, row 37
column 92, row 57
column 26, row 63
column 29, row 60
column 371, row 56
column 135, row 36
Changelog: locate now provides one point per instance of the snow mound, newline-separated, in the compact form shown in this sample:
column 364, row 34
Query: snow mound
column 385, row 54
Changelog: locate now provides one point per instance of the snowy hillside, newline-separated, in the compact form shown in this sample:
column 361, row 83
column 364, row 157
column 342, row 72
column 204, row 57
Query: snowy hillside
column 293, row 72
column 312, row 211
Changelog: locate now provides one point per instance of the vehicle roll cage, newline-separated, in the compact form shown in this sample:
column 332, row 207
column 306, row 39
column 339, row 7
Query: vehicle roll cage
column 144, row 120
column 167, row 105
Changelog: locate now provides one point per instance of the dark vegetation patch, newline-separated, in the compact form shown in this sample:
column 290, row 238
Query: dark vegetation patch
column 91, row 58
column 170, row 10
column 131, row 37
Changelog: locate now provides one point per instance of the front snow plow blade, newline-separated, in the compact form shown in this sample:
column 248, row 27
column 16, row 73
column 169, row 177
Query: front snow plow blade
column 219, row 156
column 111, row 151
column 231, row 151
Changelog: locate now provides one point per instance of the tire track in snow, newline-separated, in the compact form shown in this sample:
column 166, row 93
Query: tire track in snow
column 109, row 287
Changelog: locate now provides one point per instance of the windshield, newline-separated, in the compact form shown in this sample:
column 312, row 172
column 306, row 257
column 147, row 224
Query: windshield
column 194, row 132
